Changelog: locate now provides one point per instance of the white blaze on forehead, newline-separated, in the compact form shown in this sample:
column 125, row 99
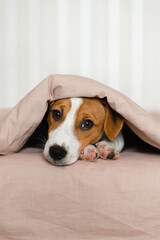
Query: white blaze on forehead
column 71, row 116
column 64, row 135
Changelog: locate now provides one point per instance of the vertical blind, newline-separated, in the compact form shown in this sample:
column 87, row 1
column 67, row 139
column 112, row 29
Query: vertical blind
column 116, row 42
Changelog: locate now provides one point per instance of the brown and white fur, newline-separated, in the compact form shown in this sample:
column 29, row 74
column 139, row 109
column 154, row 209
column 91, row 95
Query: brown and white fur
column 82, row 128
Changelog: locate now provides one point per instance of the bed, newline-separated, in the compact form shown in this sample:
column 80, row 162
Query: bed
column 87, row 200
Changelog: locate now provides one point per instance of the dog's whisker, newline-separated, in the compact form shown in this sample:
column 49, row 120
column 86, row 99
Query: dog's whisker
column 40, row 146
column 41, row 138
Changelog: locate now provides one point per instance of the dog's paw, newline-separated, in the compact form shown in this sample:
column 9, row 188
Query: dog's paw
column 107, row 151
column 89, row 153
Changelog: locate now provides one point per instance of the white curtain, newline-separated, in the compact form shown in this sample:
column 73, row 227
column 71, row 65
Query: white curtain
column 116, row 42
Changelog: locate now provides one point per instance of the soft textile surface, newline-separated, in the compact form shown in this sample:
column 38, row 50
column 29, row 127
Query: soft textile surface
column 18, row 123
column 106, row 200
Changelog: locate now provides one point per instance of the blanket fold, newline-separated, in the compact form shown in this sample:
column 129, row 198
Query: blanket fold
column 17, row 124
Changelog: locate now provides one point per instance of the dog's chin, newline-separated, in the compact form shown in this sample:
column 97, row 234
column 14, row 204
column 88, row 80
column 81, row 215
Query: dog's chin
column 62, row 162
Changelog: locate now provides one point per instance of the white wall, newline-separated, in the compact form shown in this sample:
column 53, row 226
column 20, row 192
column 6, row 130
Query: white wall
column 116, row 42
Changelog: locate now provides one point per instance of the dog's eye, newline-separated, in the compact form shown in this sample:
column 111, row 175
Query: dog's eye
column 57, row 115
column 87, row 124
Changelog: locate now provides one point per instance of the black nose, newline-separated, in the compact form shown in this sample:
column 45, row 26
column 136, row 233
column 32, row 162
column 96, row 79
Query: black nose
column 57, row 152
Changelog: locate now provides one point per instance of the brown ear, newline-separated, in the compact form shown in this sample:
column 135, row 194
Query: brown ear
column 113, row 123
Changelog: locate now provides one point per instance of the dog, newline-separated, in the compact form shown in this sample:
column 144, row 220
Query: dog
column 84, row 128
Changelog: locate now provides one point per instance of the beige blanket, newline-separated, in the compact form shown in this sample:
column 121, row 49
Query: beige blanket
column 18, row 124
column 106, row 200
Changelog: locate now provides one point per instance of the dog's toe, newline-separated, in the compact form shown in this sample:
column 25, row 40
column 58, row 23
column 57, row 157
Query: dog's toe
column 89, row 153
column 110, row 155
column 107, row 152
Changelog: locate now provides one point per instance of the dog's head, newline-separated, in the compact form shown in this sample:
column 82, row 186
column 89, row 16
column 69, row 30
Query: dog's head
column 76, row 122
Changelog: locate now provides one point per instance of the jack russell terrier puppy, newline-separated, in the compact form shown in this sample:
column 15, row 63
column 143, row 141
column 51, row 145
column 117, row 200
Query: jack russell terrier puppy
column 84, row 128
